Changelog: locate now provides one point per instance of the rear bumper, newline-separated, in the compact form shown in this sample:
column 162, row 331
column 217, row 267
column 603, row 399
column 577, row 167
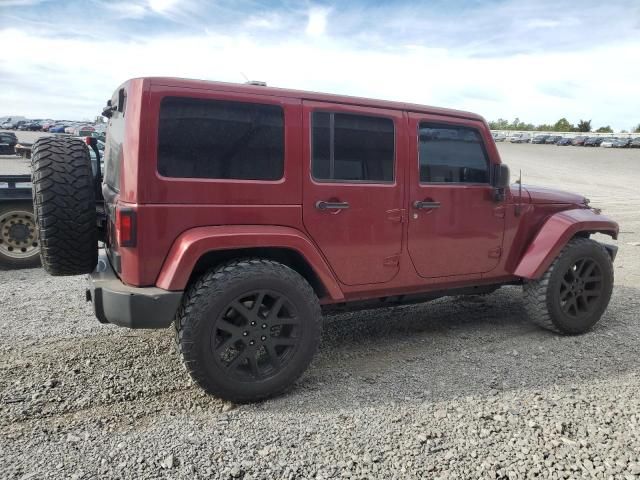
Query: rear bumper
column 132, row 307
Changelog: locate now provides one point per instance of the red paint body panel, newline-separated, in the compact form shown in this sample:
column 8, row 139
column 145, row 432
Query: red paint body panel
column 468, row 225
column 361, row 242
column 377, row 247
column 191, row 245
column 545, row 195
column 555, row 233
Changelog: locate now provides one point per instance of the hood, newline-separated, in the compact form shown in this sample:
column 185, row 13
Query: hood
column 550, row 195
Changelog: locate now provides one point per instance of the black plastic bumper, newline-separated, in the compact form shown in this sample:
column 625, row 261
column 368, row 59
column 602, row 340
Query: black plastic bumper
column 132, row 307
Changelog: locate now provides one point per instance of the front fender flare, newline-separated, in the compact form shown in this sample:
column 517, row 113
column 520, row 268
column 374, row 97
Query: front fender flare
column 192, row 244
column 554, row 235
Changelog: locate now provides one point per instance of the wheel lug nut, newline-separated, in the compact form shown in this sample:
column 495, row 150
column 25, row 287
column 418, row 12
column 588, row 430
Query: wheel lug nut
column 244, row 334
column 252, row 342
column 263, row 338
column 253, row 324
column 264, row 325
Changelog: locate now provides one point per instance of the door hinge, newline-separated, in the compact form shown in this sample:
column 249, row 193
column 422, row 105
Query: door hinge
column 398, row 215
column 495, row 252
column 392, row 261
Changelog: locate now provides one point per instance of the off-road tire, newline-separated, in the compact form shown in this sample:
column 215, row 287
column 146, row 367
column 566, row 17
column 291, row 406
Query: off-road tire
column 23, row 213
column 64, row 204
column 207, row 300
column 542, row 296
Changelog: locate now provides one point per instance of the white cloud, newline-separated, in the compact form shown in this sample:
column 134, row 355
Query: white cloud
column 317, row 21
column 162, row 6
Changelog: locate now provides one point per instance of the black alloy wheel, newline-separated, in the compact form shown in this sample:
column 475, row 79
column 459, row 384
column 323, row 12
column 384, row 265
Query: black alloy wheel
column 247, row 329
column 256, row 335
column 581, row 288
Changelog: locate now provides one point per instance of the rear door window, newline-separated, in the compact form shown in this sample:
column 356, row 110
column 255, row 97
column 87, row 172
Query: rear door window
column 452, row 154
column 352, row 148
column 218, row 139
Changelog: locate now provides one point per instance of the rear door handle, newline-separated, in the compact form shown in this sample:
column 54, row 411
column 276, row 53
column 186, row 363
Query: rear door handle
column 322, row 205
column 420, row 205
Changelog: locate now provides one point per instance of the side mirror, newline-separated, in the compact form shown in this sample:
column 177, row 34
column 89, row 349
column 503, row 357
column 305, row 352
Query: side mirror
column 501, row 178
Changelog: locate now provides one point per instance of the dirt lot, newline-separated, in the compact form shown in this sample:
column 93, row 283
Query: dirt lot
column 456, row 388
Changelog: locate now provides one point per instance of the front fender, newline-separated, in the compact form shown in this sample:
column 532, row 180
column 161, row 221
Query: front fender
column 192, row 244
column 554, row 235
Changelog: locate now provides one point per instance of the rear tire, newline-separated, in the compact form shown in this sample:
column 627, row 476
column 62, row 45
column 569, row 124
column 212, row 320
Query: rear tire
column 574, row 292
column 64, row 204
column 248, row 329
column 19, row 243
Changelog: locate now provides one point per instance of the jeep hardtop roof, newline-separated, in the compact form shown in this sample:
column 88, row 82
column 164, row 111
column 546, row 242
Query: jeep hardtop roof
column 304, row 95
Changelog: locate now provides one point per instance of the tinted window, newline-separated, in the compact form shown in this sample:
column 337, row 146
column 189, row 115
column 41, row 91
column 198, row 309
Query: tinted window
column 114, row 141
column 113, row 151
column 220, row 139
column 450, row 154
column 350, row 147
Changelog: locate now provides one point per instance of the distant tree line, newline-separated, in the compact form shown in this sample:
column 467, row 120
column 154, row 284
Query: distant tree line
column 562, row 125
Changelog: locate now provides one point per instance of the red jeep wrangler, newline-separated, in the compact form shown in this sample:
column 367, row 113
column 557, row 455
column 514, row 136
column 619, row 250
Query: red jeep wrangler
column 240, row 213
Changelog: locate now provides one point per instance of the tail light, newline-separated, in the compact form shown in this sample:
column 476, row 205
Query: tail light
column 126, row 227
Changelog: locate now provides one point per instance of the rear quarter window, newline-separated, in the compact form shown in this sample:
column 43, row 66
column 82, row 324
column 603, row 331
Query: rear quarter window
column 113, row 150
column 219, row 139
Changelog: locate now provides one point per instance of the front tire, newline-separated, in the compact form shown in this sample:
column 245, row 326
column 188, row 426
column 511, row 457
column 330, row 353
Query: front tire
column 248, row 329
column 574, row 292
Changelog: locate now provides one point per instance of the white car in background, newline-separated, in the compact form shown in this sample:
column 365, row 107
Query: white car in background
column 520, row 138
column 608, row 143
column 499, row 137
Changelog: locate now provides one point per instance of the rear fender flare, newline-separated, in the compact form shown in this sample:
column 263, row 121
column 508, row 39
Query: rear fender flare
column 192, row 244
column 554, row 235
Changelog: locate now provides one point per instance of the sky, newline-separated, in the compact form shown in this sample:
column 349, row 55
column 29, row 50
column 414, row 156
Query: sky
column 536, row 60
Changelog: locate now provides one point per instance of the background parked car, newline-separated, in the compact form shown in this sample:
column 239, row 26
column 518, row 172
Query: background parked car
column 608, row 142
column 553, row 139
column 579, row 140
column 34, row 126
column 539, row 139
column 83, row 131
column 622, row 143
column 635, row 143
column 499, row 137
column 520, row 138
column 8, row 141
column 7, row 125
column 594, row 141
column 58, row 128
column 563, row 142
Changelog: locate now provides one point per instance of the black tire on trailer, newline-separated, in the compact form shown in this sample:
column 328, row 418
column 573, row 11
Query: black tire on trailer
column 248, row 329
column 574, row 292
column 64, row 204
column 19, row 243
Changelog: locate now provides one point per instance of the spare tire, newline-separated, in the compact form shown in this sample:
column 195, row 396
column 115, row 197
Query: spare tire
column 64, row 205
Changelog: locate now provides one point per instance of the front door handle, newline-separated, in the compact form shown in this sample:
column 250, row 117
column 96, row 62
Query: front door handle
column 425, row 205
column 323, row 205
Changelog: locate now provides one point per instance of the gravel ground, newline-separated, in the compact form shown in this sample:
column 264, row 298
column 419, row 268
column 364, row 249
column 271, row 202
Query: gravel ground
column 455, row 388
